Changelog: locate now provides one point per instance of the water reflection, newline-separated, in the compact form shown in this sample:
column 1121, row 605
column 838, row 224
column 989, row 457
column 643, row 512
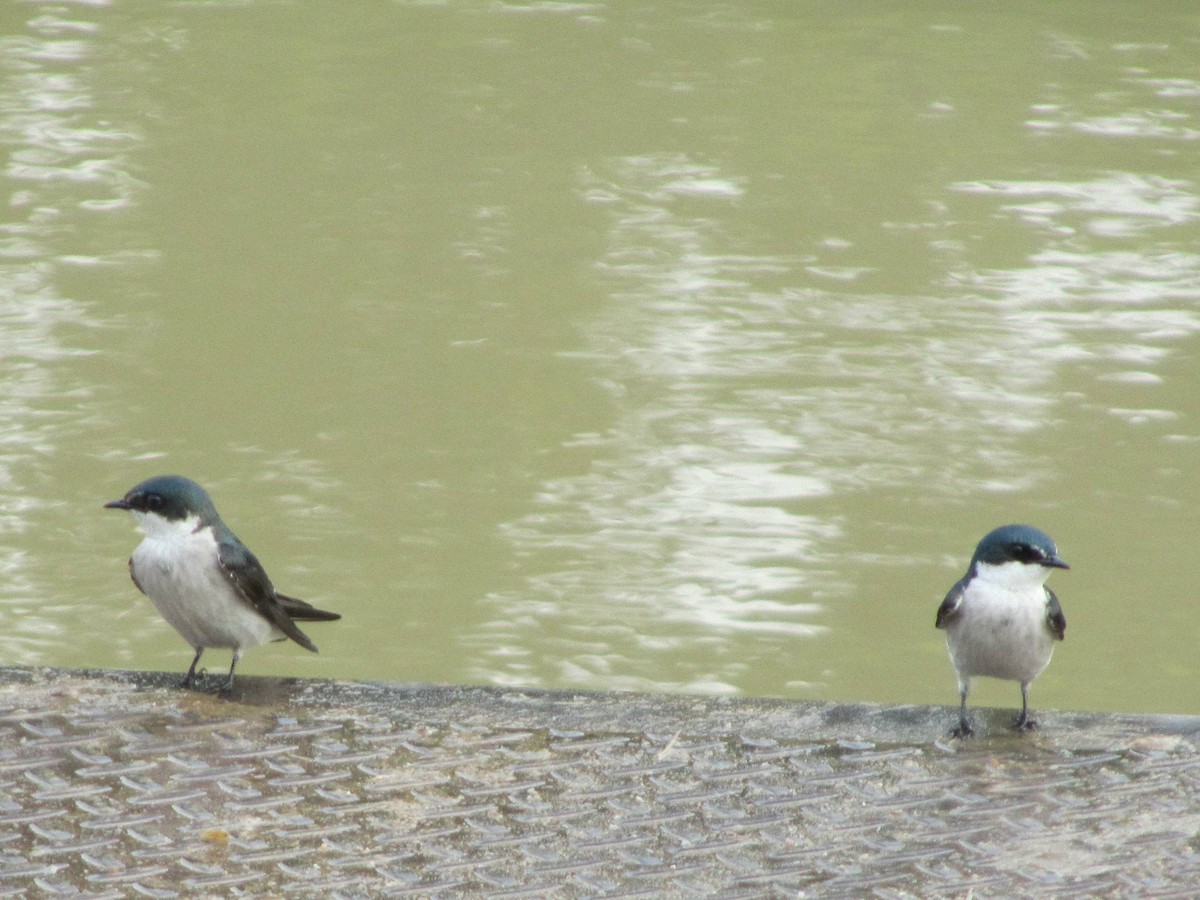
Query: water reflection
column 829, row 327
column 59, row 161
column 743, row 414
column 686, row 528
column 1120, row 205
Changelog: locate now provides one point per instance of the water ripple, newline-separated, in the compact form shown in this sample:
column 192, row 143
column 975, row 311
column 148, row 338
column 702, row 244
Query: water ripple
column 59, row 162
column 741, row 412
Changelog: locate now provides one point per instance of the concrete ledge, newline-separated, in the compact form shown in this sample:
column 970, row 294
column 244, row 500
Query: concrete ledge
column 119, row 783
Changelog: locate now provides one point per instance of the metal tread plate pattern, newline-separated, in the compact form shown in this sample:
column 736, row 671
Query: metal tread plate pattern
column 119, row 784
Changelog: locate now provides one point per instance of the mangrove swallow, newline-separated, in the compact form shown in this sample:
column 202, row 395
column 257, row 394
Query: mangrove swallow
column 202, row 579
column 1001, row 620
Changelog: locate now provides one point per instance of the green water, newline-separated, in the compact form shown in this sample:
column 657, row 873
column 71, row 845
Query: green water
column 678, row 346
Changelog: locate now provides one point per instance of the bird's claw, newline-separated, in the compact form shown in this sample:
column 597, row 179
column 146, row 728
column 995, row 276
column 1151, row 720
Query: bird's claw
column 195, row 678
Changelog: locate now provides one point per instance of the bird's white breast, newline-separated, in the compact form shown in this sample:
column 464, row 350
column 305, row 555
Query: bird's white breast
column 1000, row 629
column 176, row 566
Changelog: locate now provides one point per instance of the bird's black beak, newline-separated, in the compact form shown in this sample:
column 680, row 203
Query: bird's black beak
column 118, row 504
column 1053, row 562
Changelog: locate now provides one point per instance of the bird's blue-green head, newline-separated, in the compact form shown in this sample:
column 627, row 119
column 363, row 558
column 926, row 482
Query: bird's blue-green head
column 1018, row 544
column 171, row 497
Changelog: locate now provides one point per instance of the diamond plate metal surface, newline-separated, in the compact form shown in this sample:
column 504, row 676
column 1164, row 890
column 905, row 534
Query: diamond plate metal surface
column 118, row 784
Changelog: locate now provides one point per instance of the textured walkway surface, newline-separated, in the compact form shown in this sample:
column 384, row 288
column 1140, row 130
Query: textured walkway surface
column 118, row 784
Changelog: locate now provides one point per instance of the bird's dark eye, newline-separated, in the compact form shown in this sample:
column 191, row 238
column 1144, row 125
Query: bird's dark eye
column 1027, row 554
column 153, row 502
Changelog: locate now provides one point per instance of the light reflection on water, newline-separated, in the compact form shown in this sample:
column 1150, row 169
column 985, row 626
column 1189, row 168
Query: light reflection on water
column 52, row 165
column 735, row 406
column 805, row 357
column 684, row 520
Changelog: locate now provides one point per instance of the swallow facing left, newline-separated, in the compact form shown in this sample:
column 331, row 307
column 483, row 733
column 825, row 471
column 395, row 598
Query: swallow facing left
column 202, row 579
column 1001, row 620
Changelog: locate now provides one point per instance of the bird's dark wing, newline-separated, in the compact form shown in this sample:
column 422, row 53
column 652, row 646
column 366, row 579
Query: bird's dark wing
column 250, row 582
column 1055, row 620
column 953, row 602
column 133, row 576
column 305, row 612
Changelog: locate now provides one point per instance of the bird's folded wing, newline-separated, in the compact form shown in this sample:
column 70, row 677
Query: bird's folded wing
column 950, row 606
column 250, row 582
column 1055, row 620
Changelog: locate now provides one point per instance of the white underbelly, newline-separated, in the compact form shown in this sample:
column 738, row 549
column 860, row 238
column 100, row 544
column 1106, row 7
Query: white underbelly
column 192, row 594
column 1005, row 637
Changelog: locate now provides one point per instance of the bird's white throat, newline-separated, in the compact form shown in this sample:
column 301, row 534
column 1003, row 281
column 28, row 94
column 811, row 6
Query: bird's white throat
column 160, row 528
column 1012, row 576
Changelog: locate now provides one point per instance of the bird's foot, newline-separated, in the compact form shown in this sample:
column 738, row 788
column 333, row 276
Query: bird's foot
column 964, row 729
column 225, row 691
column 193, row 678
column 1024, row 723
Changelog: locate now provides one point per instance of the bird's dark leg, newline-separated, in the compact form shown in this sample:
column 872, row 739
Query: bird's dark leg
column 964, row 728
column 227, row 688
column 190, row 678
column 1024, row 723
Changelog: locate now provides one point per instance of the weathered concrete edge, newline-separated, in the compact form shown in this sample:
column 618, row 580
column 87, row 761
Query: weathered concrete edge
column 750, row 719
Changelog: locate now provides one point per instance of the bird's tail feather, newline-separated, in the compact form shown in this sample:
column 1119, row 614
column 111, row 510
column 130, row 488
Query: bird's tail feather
column 304, row 612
